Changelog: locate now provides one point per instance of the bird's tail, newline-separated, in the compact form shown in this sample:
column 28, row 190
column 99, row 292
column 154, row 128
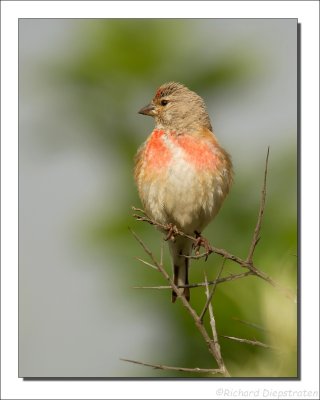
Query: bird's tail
column 180, row 267
column 180, row 278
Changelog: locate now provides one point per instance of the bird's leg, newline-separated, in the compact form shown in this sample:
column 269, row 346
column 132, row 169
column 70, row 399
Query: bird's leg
column 172, row 232
column 201, row 242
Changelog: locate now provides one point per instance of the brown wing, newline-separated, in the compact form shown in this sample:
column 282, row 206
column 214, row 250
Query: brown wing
column 138, row 162
column 223, row 155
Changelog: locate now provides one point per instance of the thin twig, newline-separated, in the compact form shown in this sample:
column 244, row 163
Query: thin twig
column 213, row 325
column 169, row 368
column 161, row 253
column 229, row 278
column 196, row 257
column 247, row 341
column 146, row 263
column 209, row 296
column 253, row 325
column 256, row 232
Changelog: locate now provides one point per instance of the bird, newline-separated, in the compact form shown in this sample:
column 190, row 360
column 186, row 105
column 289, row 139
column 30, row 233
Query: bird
column 182, row 173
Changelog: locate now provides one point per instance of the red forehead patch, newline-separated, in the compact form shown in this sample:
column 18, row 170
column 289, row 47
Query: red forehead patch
column 167, row 89
column 159, row 93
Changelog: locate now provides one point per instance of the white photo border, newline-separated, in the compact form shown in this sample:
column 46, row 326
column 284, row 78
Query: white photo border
column 307, row 14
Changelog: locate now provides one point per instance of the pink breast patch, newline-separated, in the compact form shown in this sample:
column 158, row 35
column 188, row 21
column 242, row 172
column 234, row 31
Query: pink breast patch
column 197, row 151
column 157, row 154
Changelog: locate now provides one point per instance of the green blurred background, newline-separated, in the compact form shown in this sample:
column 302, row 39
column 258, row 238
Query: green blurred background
column 81, row 83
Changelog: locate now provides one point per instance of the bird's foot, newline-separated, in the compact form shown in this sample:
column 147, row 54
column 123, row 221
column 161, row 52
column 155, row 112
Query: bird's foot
column 202, row 242
column 172, row 232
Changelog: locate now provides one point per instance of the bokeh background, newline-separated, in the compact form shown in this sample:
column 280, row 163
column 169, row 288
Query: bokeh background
column 81, row 83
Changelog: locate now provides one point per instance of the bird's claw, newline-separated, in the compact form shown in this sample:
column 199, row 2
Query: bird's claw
column 172, row 232
column 201, row 241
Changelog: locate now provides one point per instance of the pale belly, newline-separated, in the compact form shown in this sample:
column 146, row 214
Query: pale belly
column 183, row 196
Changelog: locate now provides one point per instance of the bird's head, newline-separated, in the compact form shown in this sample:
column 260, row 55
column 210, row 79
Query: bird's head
column 175, row 107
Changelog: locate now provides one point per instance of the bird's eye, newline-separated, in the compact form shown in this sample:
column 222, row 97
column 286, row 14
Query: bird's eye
column 164, row 102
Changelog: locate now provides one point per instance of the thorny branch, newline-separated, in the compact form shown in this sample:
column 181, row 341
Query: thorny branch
column 256, row 233
column 212, row 319
column 169, row 368
column 247, row 341
column 210, row 294
column 213, row 344
column 229, row 278
column 198, row 322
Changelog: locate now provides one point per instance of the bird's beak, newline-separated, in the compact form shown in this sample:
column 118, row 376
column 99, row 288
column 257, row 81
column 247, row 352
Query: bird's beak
column 148, row 110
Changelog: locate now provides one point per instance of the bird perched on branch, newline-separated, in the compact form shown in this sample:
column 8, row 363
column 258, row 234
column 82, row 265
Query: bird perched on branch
column 182, row 173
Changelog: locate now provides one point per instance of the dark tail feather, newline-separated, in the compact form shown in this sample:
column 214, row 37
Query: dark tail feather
column 180, row 278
